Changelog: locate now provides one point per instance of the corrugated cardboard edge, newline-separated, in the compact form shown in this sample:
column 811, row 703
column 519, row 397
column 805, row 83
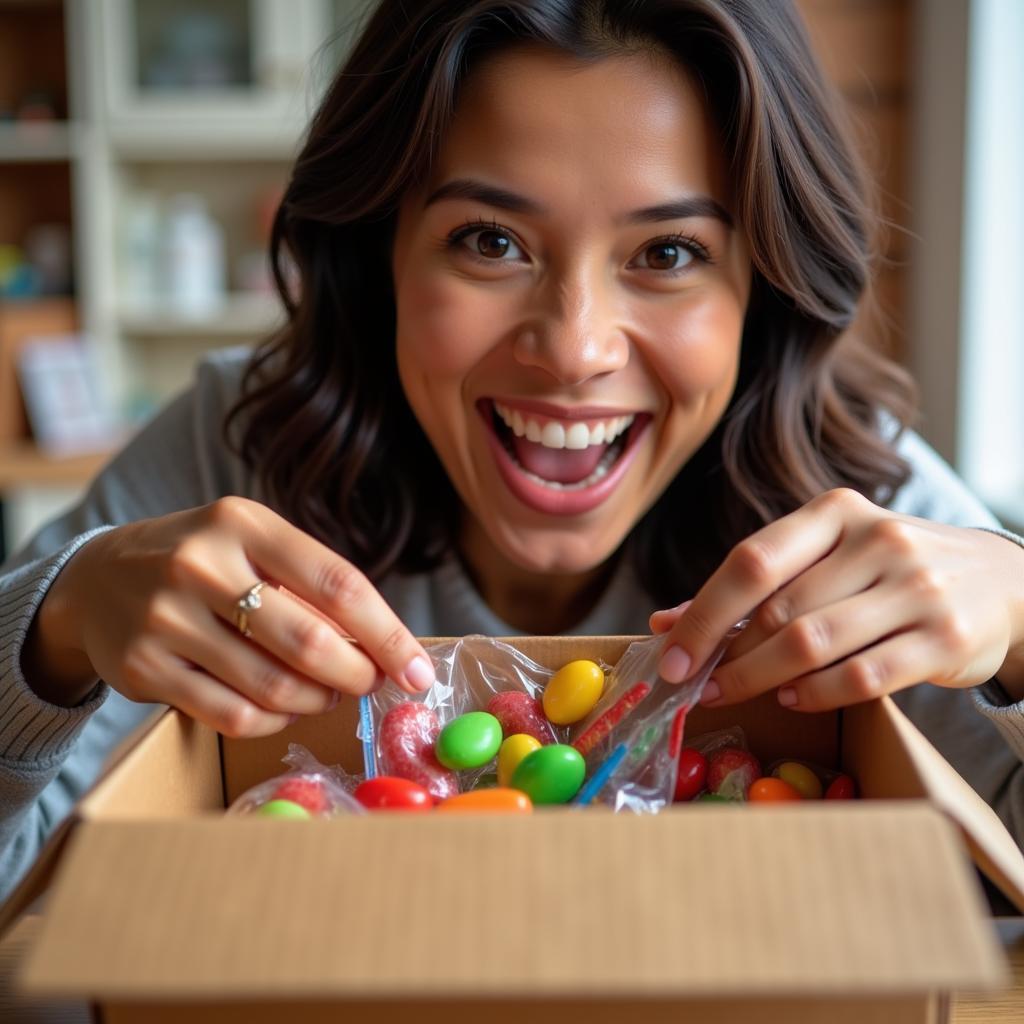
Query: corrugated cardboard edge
column 991, row 845
column 38, row 878
column 166, row 909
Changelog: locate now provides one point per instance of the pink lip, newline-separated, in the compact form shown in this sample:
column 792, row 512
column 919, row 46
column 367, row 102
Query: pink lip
column 561, row 412
column 560, row 503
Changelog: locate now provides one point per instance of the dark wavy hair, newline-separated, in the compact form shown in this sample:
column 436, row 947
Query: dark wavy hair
column 322, row 418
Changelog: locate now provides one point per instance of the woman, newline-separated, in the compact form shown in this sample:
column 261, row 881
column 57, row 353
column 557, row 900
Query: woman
column 569, row 343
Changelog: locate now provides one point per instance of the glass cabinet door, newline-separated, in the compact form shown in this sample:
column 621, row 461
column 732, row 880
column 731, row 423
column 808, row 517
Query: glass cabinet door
column 206, row 60
column 192, row 46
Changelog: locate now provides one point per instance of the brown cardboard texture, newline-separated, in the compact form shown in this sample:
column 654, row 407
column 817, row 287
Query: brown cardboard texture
column 163, row 910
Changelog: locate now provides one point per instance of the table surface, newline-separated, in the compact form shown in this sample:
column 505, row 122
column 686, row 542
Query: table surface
column 1002, row 1008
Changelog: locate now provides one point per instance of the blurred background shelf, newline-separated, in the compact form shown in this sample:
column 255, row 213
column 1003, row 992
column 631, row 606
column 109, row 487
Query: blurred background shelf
column 41, row 142
column 24, row 465
column 241, row 316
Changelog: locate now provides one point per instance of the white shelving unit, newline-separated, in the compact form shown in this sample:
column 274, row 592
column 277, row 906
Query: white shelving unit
column 133, row 130
column 230, row 143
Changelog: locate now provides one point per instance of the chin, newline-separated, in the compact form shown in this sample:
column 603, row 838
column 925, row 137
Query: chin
column 556, row 552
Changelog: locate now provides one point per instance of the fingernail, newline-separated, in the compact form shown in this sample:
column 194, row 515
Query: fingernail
column 711, row 692
column 787, row 696
column 419, row 673
column 674, row 665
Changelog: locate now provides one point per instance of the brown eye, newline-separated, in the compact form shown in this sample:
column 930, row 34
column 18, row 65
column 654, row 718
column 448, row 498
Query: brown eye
column 492, row 244
column 665, row 256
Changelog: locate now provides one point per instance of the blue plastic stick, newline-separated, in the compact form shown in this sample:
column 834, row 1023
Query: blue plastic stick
column 369, row 744
column 601, row 776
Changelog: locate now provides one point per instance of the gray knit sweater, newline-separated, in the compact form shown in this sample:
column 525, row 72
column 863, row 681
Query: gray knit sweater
column 50, row 755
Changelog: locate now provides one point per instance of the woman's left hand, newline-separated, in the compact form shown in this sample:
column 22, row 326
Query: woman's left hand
column 848, row 601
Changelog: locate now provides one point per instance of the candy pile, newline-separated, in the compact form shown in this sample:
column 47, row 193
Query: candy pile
column 422, row 761
column 719, row 769
column 491, row 736
column 309, row 790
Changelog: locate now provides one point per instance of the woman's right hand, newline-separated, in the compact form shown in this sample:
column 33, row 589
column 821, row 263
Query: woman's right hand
column 150, row 608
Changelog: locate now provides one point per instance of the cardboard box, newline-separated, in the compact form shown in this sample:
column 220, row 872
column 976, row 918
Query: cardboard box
column 163, row 911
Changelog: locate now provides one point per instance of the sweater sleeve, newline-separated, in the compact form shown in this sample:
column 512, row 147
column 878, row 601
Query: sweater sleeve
column 50, row 755
column 978, row 731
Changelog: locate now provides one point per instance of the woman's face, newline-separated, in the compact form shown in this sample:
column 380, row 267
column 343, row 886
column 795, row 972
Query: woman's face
column 570, row 289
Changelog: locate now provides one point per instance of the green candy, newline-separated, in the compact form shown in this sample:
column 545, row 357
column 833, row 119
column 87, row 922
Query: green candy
column 283, row 809
column 469, row 741
column 551, row 775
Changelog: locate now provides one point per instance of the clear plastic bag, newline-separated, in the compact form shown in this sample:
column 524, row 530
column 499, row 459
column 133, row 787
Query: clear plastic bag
column 632, row 739
column 322, row 791
column 473, row 673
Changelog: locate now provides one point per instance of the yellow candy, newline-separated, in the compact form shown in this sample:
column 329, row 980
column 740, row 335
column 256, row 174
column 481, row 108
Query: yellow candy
column 801, row 778
column 512, row 751
column 573, row 691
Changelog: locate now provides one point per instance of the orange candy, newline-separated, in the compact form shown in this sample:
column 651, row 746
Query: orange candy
column 500, row 800
column 772, row 791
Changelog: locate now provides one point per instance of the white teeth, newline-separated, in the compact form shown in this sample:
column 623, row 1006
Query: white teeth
column 576, row 435
column 553, row 435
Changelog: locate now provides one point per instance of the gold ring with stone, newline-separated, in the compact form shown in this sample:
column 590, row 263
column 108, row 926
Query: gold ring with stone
column 247, row 603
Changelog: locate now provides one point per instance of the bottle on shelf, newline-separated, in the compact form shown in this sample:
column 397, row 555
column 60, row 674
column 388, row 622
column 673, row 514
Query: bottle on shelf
column 194, row 257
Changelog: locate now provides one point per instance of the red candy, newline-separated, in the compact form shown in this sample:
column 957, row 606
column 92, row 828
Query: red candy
column 518, row 712
column 407, row 736
column 602, row 728
column 842, row 787
column 693, row 771
column 731, row 771
column 390, row 793
column 308, row 793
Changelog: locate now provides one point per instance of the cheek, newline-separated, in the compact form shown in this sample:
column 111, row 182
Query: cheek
column 697, row 355
column 443, row 326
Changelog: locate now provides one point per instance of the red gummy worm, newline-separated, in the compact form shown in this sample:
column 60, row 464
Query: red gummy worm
column 590, row 738
column 675, row 738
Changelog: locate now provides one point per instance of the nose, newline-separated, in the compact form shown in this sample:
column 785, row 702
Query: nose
column 574, row 335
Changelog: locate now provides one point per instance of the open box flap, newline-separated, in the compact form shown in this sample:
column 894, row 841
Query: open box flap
column 992, row 847
column 37, row 879
column 868, row 898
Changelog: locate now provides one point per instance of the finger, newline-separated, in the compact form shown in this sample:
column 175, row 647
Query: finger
column 844, row 573
column 313, row 608
column 307, row 645
column 663, row 619
column 754, row 569
column 252, row 671
column 896, row 663
column 808, row 644
column 206, row 699
column 316, row 574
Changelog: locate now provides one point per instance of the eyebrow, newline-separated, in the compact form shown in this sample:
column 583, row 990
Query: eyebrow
column 503, row 199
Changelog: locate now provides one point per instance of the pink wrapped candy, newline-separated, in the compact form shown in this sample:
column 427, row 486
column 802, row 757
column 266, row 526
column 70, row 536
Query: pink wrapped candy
column 518, row 712
column 408, row 733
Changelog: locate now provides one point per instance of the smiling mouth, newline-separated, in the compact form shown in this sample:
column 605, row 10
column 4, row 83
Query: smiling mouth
column 559, row 455
column 561, row 466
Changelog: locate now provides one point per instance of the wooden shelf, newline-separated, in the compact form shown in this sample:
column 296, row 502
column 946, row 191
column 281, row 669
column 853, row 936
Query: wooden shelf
column 22, row 464
column 37, row 142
